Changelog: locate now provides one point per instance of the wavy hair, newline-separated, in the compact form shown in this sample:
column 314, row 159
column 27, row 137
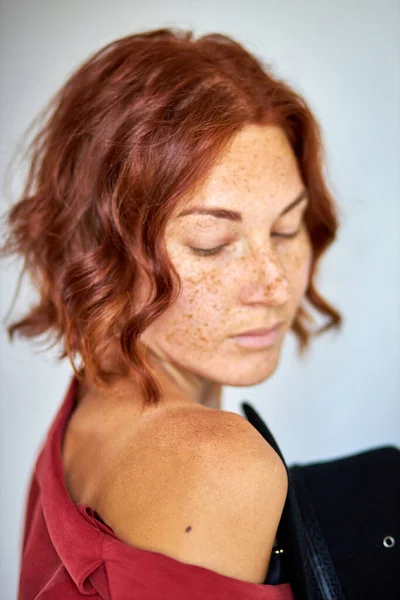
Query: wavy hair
column 133, row 131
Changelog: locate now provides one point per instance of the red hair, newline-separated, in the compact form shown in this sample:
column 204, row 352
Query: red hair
column 135, row 129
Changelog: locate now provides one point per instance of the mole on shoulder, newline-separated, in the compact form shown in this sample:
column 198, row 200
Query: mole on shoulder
column 188, row 528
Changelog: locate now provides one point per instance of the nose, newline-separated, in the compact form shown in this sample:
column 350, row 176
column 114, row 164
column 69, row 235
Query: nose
column 265, row 280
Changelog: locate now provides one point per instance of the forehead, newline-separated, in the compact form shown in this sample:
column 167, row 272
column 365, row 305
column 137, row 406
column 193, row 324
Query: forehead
column 259, row 162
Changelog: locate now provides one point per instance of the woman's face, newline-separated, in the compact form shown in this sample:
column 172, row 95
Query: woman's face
column 238, row 271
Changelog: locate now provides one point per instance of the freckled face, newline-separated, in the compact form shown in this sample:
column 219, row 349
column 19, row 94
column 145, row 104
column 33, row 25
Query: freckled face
column 237, row 274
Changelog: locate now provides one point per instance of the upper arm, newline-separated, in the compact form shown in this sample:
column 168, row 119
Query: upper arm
column 209, row 492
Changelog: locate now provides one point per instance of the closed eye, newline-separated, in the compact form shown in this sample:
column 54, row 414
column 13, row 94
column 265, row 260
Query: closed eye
column 217, row 249
column 207, row 251
column 287, row 235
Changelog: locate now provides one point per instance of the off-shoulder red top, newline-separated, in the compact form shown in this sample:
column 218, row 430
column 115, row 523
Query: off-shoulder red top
column 68, row 552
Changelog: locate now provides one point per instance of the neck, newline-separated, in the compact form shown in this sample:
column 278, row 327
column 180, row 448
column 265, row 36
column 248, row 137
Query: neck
column 186, row 385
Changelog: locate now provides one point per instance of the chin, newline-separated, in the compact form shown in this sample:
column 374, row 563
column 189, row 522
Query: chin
column 248, row 374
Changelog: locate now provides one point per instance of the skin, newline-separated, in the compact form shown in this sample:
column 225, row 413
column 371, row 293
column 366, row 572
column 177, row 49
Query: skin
column 258, row 278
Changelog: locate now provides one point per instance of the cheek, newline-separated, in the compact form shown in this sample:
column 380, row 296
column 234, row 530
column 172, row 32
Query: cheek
column 204, row 299
column 199, row 315
column 205, row 286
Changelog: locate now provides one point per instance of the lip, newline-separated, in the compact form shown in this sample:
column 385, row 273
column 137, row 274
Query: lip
column 259, row 338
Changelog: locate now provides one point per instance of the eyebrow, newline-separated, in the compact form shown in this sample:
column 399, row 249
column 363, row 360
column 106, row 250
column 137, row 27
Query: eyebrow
column 233, row 215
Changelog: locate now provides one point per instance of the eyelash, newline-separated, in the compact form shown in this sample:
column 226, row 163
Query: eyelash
column 217, row 249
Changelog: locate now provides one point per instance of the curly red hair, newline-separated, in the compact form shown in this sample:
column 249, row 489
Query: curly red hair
column 136, row 129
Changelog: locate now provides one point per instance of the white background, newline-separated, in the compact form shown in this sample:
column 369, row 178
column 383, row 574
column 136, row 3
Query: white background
column 344, row 57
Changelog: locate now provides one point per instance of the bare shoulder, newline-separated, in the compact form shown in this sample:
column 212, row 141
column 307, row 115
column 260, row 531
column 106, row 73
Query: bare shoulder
column 208, row 429
column 201, row 486
column 224, row 441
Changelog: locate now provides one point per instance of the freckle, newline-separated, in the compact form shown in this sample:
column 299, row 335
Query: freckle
column 188, row 528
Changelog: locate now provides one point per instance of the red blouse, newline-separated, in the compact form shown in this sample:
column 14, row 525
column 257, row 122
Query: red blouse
column 68, row 551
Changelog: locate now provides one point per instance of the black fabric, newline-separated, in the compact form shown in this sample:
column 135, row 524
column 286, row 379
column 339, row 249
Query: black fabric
column 336, row 516
column 356, row 501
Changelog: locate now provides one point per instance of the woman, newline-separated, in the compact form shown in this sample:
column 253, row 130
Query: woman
column 173, row 220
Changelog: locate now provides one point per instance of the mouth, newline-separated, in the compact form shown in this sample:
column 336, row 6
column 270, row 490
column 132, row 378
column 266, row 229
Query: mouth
column 259, row 338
